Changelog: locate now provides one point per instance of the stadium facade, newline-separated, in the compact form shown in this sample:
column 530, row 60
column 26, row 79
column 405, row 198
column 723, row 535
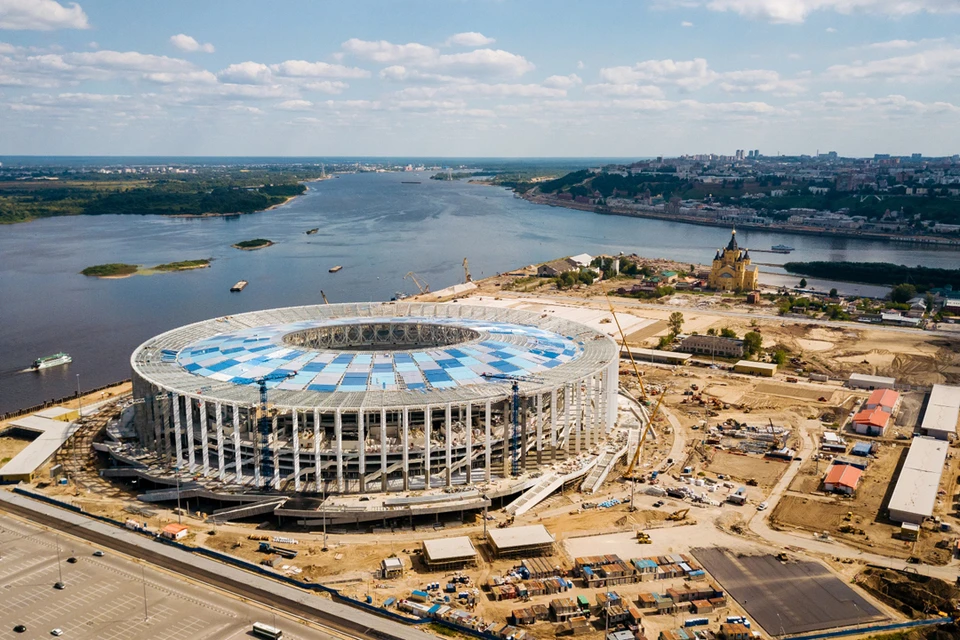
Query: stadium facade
column 379, row 397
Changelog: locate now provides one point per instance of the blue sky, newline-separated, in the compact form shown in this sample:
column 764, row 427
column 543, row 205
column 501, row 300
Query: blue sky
column 479, row 77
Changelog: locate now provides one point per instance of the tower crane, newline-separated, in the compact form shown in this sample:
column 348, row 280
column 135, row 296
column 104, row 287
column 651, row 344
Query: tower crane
column 515, row 431
column 421, row 284
column 643, row 435
column 263, row 462
column 466, row 272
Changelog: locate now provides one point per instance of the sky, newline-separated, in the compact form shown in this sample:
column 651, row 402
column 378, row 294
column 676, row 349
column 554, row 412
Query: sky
column 479, row 78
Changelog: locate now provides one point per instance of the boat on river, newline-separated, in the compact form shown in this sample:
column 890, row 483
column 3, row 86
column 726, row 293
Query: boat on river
column 781, row 248
column 55, row 360
column 335, row 269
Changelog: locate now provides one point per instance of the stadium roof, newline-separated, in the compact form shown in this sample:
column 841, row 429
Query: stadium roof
column 386, row 363
column 516, row 537
column 448, row 549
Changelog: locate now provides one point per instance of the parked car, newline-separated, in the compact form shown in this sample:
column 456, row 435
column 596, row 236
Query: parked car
column 762, row 506
column 98, row 553
column 56, row 632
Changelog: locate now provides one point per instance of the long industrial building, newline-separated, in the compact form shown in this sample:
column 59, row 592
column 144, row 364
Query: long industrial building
column 915, row 495
column 378, row 397
column 943, row 411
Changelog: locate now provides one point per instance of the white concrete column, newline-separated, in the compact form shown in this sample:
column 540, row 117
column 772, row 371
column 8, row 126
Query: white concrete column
column 613, row 385
column 258, row 453
column 237, row 455
column 588, row 412
column 296, row 450
column 362, row 448
column 405, row 444
column 554, row 424
column 469, row 445
column 567, row 414
column 275, row 452
column 488, row 437
column 539, row 428
column 316, row 449
column 449, row 443
column 157, row 424
column 165, row 428
column 579, row 415
column 598, row 430
column 177, row 439
column 427, row 427
column 191, row 463
column 383, row 449
column 222, row 469
column 338, row 436
column 204, row 444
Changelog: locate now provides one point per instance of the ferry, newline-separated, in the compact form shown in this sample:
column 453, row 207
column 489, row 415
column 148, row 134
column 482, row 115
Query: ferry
column 239, row 286
column 781, row 248
column 335, row 269
column 51, row 361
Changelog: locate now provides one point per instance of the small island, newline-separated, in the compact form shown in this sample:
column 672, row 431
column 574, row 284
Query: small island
column 122, row 270
column 251, row 245
column 313, row 231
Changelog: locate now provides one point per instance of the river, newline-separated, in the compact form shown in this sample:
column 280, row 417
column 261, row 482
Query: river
column 373, row 225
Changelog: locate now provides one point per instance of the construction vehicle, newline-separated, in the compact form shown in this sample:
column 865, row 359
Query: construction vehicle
column 466, row 272
column 628, row 474
column 515, row 432
column 266, row 547
column 782, row 557
column 677, row 516
column 419, row 282
column 752, row 482
column 643, row 538
column 506, row 523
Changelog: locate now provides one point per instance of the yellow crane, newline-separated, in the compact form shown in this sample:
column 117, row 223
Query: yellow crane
column 421, row 285
column 466, row 272
column 643, row 435
column 623, row 342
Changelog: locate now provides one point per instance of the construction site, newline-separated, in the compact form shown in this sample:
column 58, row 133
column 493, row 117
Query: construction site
column 638, row 493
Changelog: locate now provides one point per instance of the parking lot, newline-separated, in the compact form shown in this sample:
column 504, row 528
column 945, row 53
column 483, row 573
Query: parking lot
column 787, row 598
column 111, row 597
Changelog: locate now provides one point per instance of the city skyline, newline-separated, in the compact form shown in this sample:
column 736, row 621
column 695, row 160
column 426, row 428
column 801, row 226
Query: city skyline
column 481, row 79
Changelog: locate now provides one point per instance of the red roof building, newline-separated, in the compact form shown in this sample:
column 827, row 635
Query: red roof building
column 842, row 478
column 885, row 399
column 871, row 422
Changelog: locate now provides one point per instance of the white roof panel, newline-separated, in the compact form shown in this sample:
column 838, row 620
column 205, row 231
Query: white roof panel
column 943, row 409
column 512, row 537
column 916, row 490
column 449, row 549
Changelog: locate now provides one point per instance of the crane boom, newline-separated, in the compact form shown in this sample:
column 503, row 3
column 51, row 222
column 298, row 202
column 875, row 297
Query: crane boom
column 466, row 272
column 623, row 342
column 643, row 435
column 324, row 296
column 422, row 286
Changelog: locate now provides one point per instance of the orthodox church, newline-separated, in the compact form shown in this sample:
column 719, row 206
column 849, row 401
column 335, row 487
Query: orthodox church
column 731, row 269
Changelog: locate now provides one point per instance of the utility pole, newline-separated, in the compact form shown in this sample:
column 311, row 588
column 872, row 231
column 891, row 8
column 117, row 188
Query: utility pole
column 59, row 567
column 143, row 576
column 179, row 517
column 79, row 401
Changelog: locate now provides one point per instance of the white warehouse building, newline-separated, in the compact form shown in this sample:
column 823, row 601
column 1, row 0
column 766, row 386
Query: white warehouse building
column 943, row 410
column 915, row 495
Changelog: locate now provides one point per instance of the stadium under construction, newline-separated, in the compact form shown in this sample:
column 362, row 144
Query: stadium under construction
column 404, row 408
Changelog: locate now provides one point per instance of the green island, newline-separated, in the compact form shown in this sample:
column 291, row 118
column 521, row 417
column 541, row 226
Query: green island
column 191, row 192
column 122, row 270
column 250, row 245
column 885, row 273
column 443, row 175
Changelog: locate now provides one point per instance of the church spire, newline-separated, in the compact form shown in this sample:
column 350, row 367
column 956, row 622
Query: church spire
column 732, row 245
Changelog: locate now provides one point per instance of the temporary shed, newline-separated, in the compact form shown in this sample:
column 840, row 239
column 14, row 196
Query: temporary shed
column 864, row 381
column 175, row 531
column 515, row 541
column 391, row 568
column 915, row 494
column 871, row 422
column 862, row 449
column 655, row 355
column 449, row 553
column 842, row 478
column 756, row 368
column 943, row 409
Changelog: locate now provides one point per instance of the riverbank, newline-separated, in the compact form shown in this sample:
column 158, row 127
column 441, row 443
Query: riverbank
column 655, row 214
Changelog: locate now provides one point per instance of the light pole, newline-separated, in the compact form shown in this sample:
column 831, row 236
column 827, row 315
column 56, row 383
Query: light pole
column 59, row 568
column 143, row 576
column 323, row 506
column 79, row 401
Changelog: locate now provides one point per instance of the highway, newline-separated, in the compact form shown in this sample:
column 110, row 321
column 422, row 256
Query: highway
column 341, row 619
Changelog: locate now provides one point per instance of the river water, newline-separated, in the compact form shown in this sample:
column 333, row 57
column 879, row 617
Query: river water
column 374, row 225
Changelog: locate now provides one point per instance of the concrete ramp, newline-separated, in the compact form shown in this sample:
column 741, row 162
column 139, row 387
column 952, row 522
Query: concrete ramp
column 245, row 511
column 546, row 486
column 605, row 464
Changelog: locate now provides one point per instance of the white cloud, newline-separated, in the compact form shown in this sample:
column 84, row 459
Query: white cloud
column 478, row 62
column 796, row 11
column 41, row 15
column 333, row 87
column 686, row 74
column 295, row 105
column 469, row 39
column 563, row 82
column 202, row 77
column 189, row 44
column 510, row 90
column 830, row 30
column 126, row 60
column 794, row 56
column 901, row 44
column 934, row 63
column 759, row 80
column 304, row 69
column 626, row 90
column 247, row 73
column 580, row 64
column 685, row 23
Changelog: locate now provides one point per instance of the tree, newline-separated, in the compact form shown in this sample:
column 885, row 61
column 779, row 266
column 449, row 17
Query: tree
column 586, row 277
column 902, row 293
column 711, row 331
column 780, row 357
column 929, row 302
column 833, row 292
column 665, row 341
column 752, row 343
column 675, row 322
column 727, row 332
column 803, row 283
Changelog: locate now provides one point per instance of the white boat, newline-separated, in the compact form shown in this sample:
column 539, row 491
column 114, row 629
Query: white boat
column 55, row 360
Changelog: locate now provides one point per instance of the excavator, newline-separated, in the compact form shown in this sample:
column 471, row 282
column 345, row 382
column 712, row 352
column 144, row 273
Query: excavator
column 643, row 537
column 677, row 516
